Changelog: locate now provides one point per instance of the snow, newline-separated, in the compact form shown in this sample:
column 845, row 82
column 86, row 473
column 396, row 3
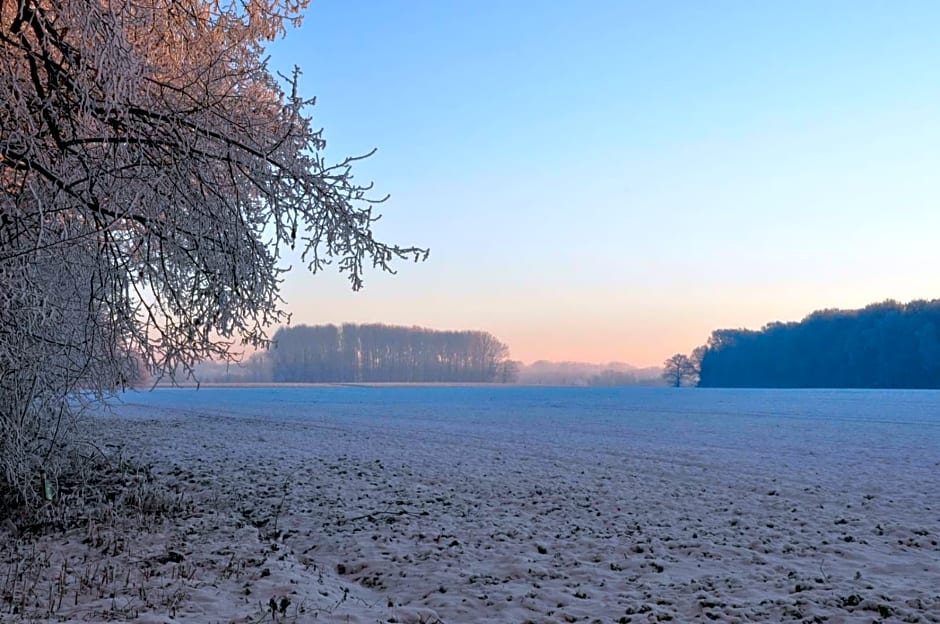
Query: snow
column 516, row 505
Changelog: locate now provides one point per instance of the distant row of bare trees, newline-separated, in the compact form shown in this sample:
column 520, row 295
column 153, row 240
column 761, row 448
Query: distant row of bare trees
column 385, row 353
column 377, row 353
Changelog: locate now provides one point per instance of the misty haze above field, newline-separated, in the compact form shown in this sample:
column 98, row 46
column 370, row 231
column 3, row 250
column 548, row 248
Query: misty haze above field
column 548, row 373
column 380, row 353
column 541, row 373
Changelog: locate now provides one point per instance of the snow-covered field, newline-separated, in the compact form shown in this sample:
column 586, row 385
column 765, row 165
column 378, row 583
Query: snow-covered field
column 352, row 504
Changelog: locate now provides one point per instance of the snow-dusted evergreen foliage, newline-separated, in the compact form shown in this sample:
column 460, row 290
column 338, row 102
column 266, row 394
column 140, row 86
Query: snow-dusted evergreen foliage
column 151, row 171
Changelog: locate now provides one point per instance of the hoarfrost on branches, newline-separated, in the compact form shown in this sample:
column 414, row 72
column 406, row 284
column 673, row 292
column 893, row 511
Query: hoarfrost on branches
column 152, row 171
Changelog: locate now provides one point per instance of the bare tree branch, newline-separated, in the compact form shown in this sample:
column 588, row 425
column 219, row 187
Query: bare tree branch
column 152, row 171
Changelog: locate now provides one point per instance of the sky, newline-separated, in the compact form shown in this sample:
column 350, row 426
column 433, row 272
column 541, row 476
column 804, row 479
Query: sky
column 612, row 180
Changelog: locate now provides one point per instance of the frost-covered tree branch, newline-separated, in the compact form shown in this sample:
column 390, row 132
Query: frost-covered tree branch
column 152, row 172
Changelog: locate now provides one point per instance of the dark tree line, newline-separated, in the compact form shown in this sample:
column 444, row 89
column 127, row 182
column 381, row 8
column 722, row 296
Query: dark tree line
column 885, row 345
column 384, row 353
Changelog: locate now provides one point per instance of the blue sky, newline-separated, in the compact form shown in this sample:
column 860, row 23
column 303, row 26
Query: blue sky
column 613, row 180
